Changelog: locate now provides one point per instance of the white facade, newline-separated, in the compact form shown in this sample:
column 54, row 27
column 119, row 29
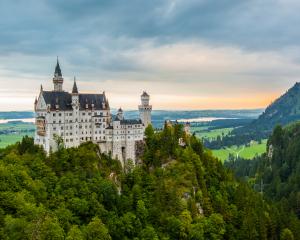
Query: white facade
column 75, row 118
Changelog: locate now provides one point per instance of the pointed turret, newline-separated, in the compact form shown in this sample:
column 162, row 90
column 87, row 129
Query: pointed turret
column 57, row 72
column 58, row 79
column 75, row 89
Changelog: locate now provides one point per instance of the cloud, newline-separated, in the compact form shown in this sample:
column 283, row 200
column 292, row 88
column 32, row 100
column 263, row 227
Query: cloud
column 207, row 48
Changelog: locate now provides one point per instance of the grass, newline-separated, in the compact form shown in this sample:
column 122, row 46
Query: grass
column 11, row 133
column 20, row 126
column 247, row 152
column 213, row 134
column 204, row 133
column 8, row 139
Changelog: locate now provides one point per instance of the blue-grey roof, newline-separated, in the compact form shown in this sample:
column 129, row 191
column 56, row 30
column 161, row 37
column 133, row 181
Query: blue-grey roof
column 57, row 71
column 64, row 100
column 145, row 94
column 75, row 89
column 131, row 121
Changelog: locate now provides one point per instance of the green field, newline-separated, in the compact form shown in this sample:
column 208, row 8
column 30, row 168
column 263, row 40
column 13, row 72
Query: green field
column 210, row 134
column 247, row 152
column 213, row 134
column 8, row 139
column 13, row 132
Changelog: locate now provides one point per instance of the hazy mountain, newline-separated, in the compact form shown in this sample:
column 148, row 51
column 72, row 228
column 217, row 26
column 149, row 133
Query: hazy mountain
column 282, row 111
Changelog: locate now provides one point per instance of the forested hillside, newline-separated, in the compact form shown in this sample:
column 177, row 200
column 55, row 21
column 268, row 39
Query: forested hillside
column 284, row 110
column 277, row 173
column 179, row 192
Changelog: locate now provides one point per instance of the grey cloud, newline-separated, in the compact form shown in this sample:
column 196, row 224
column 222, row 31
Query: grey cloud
column 94, row 34
column 45, row 26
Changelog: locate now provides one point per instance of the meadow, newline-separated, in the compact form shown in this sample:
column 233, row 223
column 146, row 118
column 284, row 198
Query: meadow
column 247, row 152
column 206, row 133
column 14, row 131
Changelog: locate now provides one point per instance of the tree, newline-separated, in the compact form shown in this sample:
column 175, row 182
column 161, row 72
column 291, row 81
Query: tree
column 75, row 233
column 286, row 234
column 96, row 230
column 148, row 233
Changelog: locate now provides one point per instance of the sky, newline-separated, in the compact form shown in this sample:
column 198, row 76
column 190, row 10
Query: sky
column 187, row 54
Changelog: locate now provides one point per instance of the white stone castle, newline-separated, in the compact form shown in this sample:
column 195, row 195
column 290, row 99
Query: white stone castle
column 77, row 117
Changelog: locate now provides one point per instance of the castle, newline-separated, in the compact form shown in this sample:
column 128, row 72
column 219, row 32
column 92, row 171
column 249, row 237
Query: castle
column 76, row 117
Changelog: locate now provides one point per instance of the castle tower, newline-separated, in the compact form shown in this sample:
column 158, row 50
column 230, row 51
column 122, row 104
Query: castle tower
column 145, row 109
column 58, row 79
column 120, row 115
column 75, row 106
column 75, row 96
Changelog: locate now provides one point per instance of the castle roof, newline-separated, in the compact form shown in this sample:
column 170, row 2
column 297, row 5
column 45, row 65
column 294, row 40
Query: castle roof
column 145, row 94
column 130, row 121
column 57, row 71
column 127, row 121
column 75, row 89
column 64, row 100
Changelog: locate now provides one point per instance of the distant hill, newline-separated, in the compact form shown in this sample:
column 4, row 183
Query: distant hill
column 159, row 116
column 284, row 110
column 16, row 115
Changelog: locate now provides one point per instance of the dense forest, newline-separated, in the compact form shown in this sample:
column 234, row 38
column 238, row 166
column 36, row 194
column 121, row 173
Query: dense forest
column 179, row 191
column 276, row 173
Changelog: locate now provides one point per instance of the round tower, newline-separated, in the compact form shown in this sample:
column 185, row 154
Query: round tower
column 145, row 109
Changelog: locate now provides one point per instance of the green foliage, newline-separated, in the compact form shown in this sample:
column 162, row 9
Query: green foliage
column 286, row 234
column 96, row 230
column 178, row 192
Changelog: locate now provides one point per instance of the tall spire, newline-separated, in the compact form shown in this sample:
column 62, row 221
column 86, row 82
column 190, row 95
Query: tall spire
column 58, row 79
column 57, row 72
column 75, row 89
